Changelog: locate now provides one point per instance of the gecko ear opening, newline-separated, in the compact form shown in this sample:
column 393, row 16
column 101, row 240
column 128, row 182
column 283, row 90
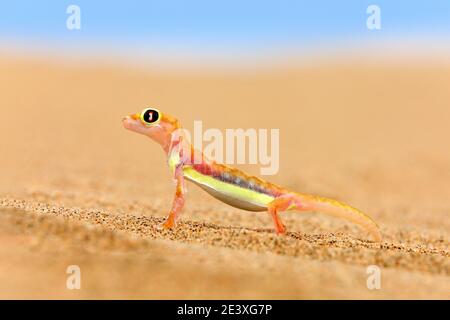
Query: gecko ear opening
column 150, row 116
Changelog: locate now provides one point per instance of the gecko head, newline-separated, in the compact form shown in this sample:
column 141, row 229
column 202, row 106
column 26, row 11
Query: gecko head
column 152, row 123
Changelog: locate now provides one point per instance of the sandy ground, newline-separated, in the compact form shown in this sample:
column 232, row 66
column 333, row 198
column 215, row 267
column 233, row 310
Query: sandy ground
column 77, row 189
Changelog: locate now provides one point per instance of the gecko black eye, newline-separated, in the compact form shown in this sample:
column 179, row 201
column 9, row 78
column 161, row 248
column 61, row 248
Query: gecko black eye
column 150, row 116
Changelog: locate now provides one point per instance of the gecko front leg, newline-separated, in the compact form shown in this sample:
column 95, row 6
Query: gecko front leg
column 178, row 201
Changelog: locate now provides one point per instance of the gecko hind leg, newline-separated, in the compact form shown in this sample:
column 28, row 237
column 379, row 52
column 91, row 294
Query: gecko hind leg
column 279, row 204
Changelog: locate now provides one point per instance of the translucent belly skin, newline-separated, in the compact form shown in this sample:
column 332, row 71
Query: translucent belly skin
column 228, row 193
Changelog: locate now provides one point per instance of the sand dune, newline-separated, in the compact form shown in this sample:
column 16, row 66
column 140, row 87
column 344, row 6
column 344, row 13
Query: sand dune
column 76, row 188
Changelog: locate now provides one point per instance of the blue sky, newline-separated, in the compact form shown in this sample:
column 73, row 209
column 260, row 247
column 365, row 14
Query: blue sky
column 231, row 24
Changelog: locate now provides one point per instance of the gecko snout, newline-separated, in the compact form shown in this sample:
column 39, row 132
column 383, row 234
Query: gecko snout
column 133, row 116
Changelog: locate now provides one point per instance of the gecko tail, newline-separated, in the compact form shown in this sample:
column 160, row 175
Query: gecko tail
column 338, row 209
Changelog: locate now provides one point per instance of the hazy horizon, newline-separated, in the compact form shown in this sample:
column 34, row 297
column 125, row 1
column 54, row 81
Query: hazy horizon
column 230, row 31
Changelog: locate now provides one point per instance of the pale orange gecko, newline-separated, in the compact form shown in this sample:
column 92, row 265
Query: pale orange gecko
column 228, row 184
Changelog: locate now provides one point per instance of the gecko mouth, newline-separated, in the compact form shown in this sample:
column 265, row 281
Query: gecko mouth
column 132, row 122
column 127, row 122
column 130, row 118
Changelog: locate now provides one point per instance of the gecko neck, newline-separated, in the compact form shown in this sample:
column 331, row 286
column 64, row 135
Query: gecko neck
column 168, row 142
column 167, row 146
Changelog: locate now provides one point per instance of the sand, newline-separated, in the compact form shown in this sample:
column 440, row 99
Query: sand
column 78, row 189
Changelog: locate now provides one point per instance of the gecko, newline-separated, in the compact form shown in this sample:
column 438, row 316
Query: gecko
column 230, row 185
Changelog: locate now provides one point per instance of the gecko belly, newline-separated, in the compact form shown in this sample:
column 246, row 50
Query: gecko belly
column 229, row 193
